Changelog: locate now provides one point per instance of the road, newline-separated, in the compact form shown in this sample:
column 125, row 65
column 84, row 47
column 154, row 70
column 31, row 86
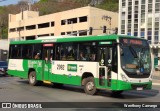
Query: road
column 13, row 89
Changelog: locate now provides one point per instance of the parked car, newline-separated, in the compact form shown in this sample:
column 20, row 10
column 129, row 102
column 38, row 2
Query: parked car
column 3, row 67
column 157, row 68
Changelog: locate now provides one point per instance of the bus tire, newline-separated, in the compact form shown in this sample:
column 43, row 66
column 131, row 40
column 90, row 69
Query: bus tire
column 117, row 92
column 32, row 78
column 89, row 86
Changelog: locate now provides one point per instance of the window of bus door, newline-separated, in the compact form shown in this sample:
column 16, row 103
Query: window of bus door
column 48, row 53
column 105, row 58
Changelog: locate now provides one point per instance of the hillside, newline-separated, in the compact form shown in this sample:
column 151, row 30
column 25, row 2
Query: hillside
column 50, row 6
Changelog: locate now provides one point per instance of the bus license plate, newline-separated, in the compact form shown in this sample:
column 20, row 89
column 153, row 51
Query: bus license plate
column 139, row 88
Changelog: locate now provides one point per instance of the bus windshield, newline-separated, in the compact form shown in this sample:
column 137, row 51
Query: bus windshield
column 135, row 57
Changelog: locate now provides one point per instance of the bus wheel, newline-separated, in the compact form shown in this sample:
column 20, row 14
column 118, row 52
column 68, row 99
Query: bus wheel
column 116, row 92
column 89, row 86
column 32, row 78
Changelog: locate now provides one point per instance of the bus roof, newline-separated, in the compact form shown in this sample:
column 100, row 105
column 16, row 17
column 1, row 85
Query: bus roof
column 49, row 39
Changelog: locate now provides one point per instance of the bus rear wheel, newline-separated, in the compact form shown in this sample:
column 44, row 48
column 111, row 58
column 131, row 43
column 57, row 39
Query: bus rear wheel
column 89, row 86
column 32, row 79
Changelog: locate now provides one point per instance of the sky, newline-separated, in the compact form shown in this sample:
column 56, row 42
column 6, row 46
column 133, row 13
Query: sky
column 9, row 2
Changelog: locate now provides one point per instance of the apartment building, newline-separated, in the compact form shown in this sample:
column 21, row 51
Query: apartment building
column 141, row 18
column 29, row 25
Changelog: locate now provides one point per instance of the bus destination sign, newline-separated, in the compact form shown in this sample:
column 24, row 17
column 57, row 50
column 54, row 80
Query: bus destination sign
column 132, row 41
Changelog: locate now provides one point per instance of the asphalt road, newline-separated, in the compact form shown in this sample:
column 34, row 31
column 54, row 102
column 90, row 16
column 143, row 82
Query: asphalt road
column 13, row 89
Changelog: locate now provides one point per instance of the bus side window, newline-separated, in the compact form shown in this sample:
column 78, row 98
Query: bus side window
column 87, row 51
column 37, row 51
column 57, row 52
column 16, row 52
column 27, row 51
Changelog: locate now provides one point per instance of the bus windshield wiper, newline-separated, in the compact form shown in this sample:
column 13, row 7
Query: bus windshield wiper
column 133, row 52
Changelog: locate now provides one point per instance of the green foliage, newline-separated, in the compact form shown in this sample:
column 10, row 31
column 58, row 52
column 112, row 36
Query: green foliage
column 111, row 5
column 43, row 1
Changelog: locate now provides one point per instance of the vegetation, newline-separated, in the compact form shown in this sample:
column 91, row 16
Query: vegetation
column 48, row 7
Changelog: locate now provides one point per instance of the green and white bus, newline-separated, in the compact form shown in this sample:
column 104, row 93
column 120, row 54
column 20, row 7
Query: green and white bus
column 112, row 62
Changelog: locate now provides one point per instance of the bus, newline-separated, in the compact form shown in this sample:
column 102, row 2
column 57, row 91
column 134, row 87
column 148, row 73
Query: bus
column 111, row 62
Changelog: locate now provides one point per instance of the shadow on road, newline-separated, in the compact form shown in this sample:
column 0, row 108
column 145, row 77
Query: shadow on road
column 131, row 94
column 105, row 93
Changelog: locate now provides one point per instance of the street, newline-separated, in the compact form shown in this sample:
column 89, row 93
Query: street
column 14, row 89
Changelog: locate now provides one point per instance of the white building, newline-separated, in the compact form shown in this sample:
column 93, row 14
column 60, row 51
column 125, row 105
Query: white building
column 141, row 18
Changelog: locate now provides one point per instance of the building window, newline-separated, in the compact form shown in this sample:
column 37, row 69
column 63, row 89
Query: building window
column 149, row 7
column 150, row 1
column 123, row 4
column 52, row 24
column 20, row 28
column 142, row 34
column 43, row 35
column 135, row 33
column 52, row 34
column 122, row 26
column 62, row 33
column 129, row 33
column 30, row 27
column 129, row 16
column 43, row 25
column 30, row 37
column 156, row 24
column 63, row 22
column 136, row 2
column 122, row 32
column 83, row 19
column 156, row 39
column 68, row 33
column 82, row 32
column 129, row 30
column 12, row 30
column 143, row 1
column 72, row 21
column 130, row 3
column 74, row 33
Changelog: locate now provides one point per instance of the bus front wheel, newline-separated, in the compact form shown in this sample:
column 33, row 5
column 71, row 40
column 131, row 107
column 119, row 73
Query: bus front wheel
column 89, row 86
column 32, row 79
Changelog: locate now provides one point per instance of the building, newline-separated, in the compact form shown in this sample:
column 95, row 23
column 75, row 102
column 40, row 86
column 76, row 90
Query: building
column 4, row 47
column 141, row 18
column 29, row 25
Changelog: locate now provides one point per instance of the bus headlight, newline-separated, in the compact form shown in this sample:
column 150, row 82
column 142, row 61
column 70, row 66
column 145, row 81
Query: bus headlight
column 124, row 78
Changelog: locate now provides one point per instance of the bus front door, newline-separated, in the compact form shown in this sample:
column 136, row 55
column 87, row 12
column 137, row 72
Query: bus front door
column 47, row 57
column 104, row 70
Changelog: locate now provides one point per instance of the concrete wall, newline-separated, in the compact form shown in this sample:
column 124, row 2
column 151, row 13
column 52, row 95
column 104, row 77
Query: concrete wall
column 4, row 44
column 4, row 47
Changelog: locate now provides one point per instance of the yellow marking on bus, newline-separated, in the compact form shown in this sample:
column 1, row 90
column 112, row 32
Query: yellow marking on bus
column 47, row 82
